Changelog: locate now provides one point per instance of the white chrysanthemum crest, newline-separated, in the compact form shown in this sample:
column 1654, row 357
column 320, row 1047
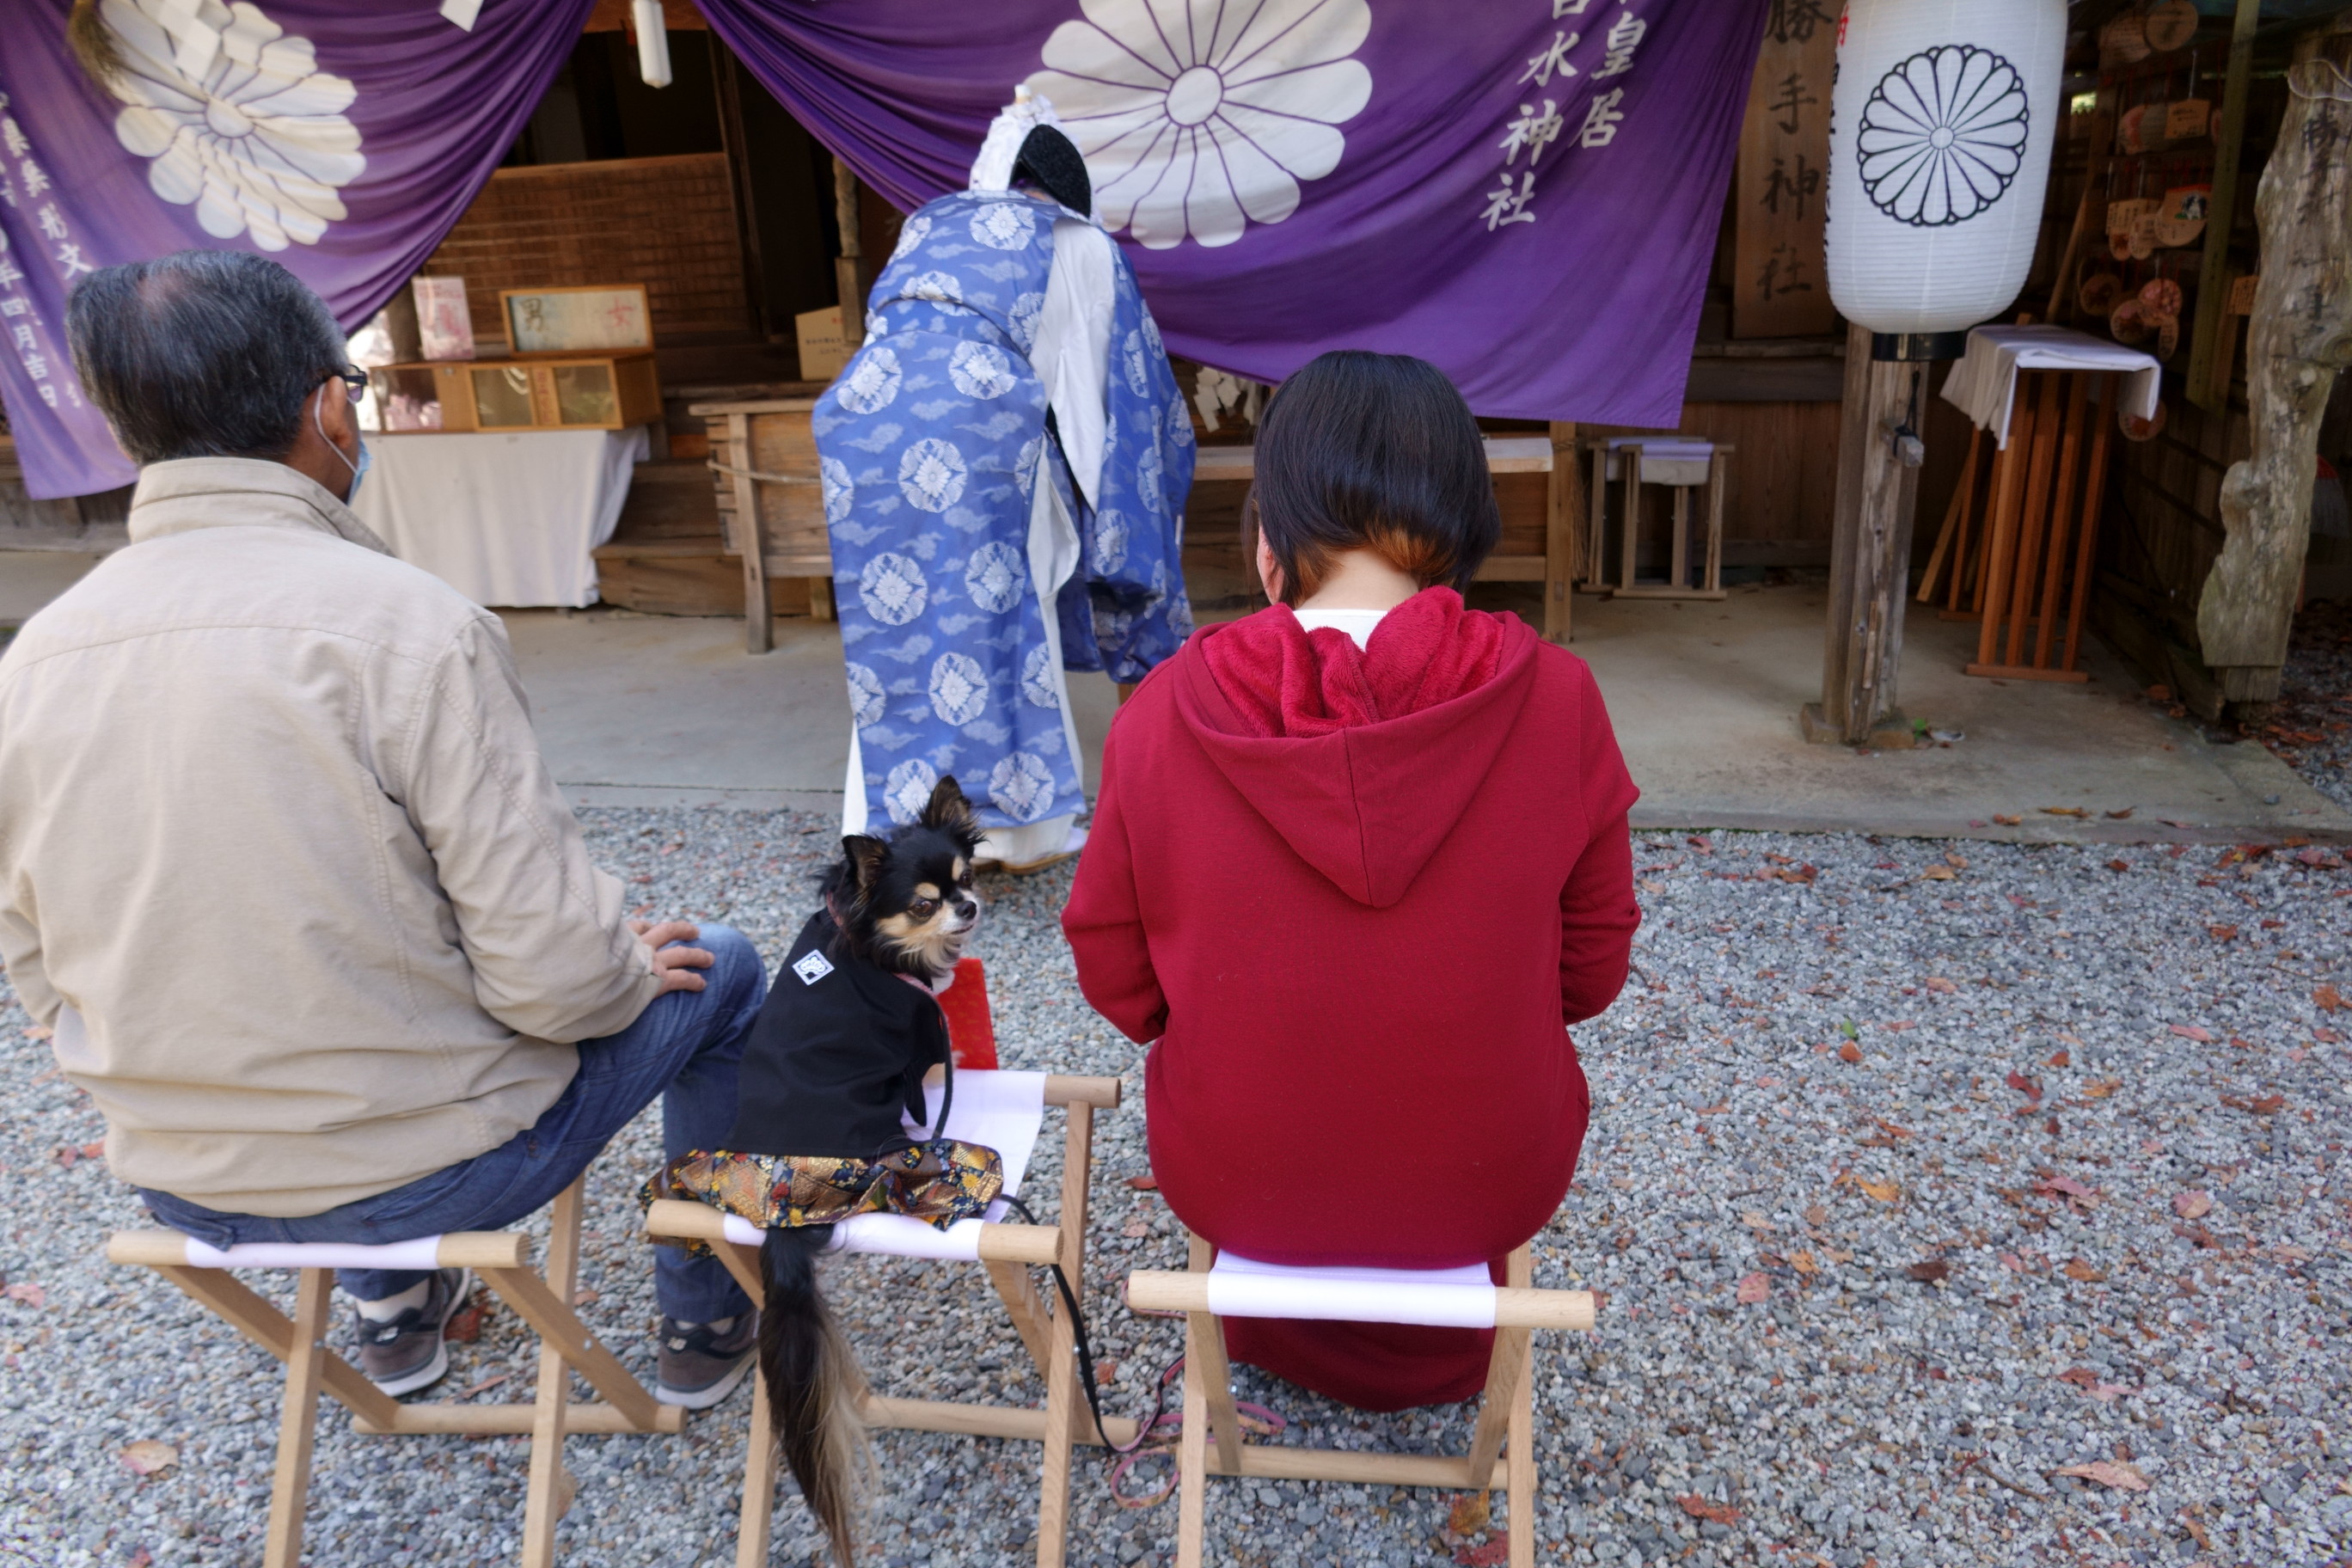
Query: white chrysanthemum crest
column 234, row 118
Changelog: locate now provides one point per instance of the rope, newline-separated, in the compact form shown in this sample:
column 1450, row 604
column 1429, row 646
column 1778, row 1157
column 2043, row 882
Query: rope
column 2337, row 91
column 756, row 474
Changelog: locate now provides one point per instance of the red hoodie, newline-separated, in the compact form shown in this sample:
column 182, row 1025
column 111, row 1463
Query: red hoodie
column 1355, row 896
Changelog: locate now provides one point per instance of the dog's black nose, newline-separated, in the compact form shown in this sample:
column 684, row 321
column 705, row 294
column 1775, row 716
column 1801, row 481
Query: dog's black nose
column 965, row 909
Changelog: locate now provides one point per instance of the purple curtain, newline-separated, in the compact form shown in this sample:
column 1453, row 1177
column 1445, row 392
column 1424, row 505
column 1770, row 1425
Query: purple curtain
column 1525, row 192
column 342, row 140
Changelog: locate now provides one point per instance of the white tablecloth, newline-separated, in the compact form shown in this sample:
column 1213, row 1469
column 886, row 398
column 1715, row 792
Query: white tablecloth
column 1984, row 384
column 505, row 518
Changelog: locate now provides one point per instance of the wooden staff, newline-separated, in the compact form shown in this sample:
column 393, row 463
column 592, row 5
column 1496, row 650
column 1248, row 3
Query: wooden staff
column 2063, row 517
column 2093, row 497
column 1955, row 522
column 2037, row 512
column 2008, row 484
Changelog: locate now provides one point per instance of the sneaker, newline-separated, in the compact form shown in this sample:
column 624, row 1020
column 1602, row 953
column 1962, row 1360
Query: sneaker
column 701, row 1363
column 408, row 1353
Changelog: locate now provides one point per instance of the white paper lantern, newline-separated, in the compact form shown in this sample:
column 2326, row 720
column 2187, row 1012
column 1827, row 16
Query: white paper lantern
column 1940, row 131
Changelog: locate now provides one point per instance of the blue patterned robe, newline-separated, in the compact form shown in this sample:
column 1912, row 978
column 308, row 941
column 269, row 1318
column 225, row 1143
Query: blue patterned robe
column 930, row 443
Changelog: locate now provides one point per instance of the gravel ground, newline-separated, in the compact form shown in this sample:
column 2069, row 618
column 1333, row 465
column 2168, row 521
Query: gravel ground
column 1920, row 1174
column 2310, row 731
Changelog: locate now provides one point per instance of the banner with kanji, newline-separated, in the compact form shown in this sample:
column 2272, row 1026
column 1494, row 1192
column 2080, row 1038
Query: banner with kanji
column 342, row 140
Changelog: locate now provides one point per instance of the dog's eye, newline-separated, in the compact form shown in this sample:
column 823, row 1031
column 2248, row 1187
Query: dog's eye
column 922, row 907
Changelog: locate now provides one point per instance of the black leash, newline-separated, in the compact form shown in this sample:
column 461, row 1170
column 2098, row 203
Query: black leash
column 1086, row 1355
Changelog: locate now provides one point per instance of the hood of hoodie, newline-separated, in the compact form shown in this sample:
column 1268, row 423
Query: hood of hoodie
column 1362, row 759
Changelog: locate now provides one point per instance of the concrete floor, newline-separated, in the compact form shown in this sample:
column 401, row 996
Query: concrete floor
column 1705, row 698
column 657, row 711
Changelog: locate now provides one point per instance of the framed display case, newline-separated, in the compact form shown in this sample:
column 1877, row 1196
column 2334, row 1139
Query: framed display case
column 598, row 318
column 574, row 392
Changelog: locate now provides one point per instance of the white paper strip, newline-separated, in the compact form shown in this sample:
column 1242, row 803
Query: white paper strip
column 404, row 1256
column 1442, row 1298
column 461, row 12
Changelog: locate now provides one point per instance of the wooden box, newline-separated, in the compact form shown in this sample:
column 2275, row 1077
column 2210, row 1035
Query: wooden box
column 598, row 317
column 771, row 501
column 575, row 391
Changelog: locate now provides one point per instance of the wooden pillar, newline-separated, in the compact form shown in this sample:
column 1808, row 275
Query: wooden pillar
column 849, row 266
column 2221, row 216
column 1870, row 554
column 2299, row 337
column 1563, row 530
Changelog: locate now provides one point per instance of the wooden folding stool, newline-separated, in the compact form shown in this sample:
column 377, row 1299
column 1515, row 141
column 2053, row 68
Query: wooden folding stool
column 1216, row 1289
column 1005, row 1111
column 502, row 1259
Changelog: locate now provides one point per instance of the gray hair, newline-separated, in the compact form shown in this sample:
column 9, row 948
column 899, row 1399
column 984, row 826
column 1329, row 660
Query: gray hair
column 202, row 354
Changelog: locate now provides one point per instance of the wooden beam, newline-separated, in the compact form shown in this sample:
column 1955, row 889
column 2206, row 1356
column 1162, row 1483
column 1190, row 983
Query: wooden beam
column 2300, row 336
column 297, row 1421
column 1869, row 555
column 2222, row 214
column 1563, row 526
column 849, row 266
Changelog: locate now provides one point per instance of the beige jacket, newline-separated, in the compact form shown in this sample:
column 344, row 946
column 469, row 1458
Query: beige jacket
column 277, row 841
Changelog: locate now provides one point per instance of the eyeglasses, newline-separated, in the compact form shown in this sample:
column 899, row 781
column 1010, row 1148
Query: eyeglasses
column 355, row 380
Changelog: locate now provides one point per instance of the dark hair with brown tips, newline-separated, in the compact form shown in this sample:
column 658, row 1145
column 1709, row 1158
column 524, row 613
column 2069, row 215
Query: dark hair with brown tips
column 1366, row 452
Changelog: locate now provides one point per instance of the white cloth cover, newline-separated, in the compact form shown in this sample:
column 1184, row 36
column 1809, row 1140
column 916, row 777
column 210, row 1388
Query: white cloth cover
column 404, row 1256
column 506, row 518
column 1003, row 1111
column 1983, row 385
column 1940, row 129
column 1443, row 1297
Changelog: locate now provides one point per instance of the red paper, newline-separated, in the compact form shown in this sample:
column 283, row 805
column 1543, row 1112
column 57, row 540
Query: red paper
column 971, row 1034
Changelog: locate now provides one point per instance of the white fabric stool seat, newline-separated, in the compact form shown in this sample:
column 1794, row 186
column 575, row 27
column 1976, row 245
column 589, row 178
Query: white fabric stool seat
column 419, row 1255
column 1444, row 1297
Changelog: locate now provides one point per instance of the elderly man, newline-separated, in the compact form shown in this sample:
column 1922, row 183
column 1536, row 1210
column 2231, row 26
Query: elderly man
column 280, row 863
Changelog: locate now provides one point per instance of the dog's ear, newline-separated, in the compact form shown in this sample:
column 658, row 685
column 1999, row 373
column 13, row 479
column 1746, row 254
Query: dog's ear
column 864, row 856
column 948, row 812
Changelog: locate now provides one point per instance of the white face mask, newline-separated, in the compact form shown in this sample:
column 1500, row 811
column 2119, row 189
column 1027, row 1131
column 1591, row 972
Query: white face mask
column 359, row 469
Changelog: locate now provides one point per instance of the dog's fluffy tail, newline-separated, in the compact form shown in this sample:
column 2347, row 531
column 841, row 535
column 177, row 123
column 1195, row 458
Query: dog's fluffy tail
column 815, row 1386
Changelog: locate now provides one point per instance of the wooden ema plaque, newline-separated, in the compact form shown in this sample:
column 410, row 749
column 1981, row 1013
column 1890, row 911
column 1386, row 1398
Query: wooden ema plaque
column 1780, row 246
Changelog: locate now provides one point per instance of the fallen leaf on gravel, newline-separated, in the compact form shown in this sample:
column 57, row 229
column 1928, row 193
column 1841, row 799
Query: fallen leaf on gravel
column 1955, row 859
column 2067, row 1187
column 1469, row 1514
column 2329, row 999
column 2123, row 815
column 2107, row 1473
column 1816, row 1215
column 2192, row 1032
column 28, row 1295
column 147, row 1455
column 2080, row 1377
column 1849, row 1052
column 2192, row 1206
column 2078, row 1269
column 1885, row 1192
column 2025, row 1085
column 1493, row 1554
column 1803, row 1262
column 484, row 1386
column 2008, row 821
column 2222, row 933
column 1144, row 1184
column 2064, row 811
column 1937, row 983
column 1753, row 1288
column 2268, row 1105
column 2012, row 1262
column 465, row 1325
column 1700, row 1508
column 1135, row 1228
column 2101, row 1089
column 1931, row 1271
column 1755, row 1221
column 2119, row 865
column 1938, row 874
column 2059, row 1059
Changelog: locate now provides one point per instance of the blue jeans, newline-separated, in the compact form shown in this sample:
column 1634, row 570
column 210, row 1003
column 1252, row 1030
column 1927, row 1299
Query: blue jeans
column 684, row 1047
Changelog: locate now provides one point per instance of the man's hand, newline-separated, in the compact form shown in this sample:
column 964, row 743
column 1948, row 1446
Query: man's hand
column 674, row 966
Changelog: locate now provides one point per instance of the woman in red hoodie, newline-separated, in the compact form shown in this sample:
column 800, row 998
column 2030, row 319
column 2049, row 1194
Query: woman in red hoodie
column 1358, row 860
